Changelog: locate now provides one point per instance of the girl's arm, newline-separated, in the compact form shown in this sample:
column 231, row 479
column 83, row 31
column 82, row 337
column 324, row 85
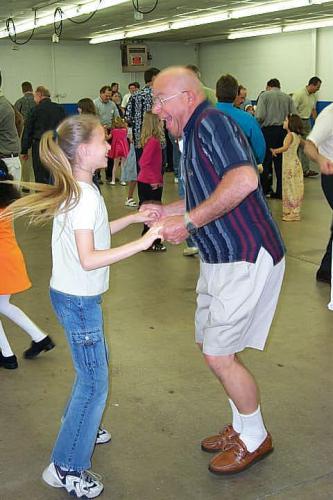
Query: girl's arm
column 119, row 224
column 94, row 259
column 286, row 144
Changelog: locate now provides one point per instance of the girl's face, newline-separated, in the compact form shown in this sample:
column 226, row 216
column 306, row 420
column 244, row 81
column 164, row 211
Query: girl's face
column 116, row 98
column 96, row 150
column 286, row 123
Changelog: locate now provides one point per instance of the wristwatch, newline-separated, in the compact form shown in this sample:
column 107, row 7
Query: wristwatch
column 190, row 227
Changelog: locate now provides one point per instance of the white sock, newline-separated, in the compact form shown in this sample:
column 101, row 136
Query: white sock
column 253, row 430
column 4, row 345
column 20, row 318
column 236, row 420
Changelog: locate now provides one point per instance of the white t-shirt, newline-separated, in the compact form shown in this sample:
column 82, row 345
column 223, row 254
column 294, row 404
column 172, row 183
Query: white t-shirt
column 68, row 276
column 322, row 133
column 125, row 100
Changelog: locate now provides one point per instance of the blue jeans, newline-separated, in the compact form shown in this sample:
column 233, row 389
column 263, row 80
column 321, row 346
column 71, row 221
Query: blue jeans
column 82, row 320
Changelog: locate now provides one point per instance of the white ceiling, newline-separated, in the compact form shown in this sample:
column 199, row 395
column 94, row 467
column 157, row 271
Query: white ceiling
column 122, row 17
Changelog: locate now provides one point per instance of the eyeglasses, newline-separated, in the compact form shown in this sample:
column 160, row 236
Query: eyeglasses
column 160, row 101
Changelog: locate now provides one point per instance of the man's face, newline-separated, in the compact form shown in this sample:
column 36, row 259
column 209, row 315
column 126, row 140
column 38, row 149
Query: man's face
column 132, row 89
column 240, row 98
column 314, row 88
column 106, row 96
column 171, row 105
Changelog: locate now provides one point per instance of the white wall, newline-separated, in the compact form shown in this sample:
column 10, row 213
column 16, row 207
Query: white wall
column 293, row 58
column 76, row 69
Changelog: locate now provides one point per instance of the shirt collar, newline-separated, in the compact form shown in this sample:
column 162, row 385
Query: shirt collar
column 226, row 104
column 203, row 105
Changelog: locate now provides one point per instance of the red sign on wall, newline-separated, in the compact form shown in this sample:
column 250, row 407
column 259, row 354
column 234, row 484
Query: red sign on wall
column 137, row 60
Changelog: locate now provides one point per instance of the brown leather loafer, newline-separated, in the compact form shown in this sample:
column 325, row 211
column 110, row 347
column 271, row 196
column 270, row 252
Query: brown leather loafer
column 212, row 444
column 235, row 458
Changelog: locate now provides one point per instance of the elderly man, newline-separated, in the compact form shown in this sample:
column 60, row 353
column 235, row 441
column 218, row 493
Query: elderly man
column 305, row 100
column 272, row 108
column 241, row 255
column 45, row 116
column 319, row 148
column 9, row 139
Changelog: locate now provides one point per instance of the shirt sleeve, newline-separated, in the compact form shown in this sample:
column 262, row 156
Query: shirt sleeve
column 322, row 130
column 260, row 110
column 84, row 215
column 224, row 143
column 257, row 141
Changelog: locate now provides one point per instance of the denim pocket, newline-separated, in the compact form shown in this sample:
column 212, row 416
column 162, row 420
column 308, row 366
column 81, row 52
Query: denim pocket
column 87, row 348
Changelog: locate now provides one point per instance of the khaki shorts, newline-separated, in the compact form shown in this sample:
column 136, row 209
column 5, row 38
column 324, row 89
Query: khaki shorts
column 236, row 304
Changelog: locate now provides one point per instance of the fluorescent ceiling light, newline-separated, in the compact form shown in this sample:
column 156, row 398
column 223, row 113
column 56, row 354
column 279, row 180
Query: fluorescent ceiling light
column 120, row 35
column 268, row 7
column 250, row 33
column 147, row 30
column 76, row 11
column 197, row 21
column 325, row 23
column 112, row 37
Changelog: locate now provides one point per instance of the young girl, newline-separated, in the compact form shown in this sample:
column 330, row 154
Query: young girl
column 80, row 275
column 119, row 147
column 14, row 279
column 292, row 172
column 150, row 178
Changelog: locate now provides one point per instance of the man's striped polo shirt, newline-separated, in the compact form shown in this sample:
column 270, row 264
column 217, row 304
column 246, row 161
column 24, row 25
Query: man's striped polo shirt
column 213, row 145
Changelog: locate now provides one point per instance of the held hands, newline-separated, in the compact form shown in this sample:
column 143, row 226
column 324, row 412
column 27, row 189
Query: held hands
column 25, row 157
column 173, row 229
column 326, row 165
column 156, row 212
column 146, row 216
column 150, row 236
column 273, row 151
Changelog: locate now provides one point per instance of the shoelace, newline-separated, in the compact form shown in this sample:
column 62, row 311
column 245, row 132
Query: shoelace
column 89, row 477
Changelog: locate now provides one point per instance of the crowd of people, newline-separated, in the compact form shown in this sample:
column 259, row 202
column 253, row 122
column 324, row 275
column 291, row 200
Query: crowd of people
column 219, row 141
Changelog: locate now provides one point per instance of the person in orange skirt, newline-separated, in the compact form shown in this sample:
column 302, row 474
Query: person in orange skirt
column 14, row 279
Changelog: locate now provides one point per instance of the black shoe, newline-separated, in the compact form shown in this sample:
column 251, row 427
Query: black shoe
column 37, row 347
column 323, row 276
column 276, row 196
column 9, row 362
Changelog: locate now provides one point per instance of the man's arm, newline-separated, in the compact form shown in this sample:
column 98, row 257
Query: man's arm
column 261, row 109
column 235, row 186
column 28, row 133
column 326, row 165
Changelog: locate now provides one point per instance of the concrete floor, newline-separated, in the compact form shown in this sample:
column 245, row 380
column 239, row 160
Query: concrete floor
column 163, row 398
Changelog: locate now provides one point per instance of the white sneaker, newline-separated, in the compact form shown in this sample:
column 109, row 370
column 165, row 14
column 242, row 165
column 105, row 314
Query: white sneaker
column 175, row 180
column 84, row 484
column 123, row 183
column 112, row 183
column 189, row 251
column 103, row 436
column 130, row 203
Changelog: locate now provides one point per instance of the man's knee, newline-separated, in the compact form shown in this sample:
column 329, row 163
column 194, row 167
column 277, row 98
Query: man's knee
column 220, row 363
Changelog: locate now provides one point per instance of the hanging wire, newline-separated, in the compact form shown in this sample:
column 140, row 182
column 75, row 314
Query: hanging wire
column 58, row 24
column 88, row 18
column 137, row 8
column 10, row 27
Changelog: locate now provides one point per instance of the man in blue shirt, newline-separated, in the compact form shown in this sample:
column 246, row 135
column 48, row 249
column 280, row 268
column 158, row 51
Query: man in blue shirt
column 241, row 255
column 226, row 91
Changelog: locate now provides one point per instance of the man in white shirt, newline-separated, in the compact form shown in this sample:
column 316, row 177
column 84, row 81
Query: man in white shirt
column 132, row 87
column 319, row 148
column 305, row 102
column 105, row 107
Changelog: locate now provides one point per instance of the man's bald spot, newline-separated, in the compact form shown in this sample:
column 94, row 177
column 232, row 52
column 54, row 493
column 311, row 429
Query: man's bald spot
column 178, row 78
